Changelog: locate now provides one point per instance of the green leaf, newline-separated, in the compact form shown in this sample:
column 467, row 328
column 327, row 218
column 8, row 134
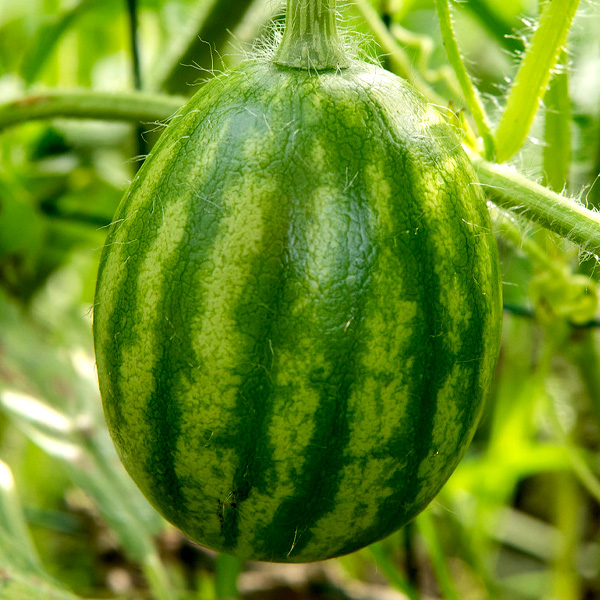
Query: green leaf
column 533, row 76
column 50, row 429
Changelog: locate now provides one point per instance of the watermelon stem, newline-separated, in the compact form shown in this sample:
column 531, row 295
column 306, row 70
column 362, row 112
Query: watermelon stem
column 310, row 38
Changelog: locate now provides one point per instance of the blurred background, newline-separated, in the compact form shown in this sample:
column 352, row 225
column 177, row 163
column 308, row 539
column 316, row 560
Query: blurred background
column 520, row 518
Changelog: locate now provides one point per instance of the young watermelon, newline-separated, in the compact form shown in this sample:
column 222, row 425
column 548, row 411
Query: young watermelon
column 298, row 307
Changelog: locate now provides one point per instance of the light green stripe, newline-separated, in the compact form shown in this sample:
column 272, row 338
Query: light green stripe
column 146, row 204
column 155, row 177
column 451, row 245
column 219, row 349
column 289, row 433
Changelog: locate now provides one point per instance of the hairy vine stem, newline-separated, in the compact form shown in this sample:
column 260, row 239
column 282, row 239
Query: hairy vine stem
column 565, row 216
column 469, row 90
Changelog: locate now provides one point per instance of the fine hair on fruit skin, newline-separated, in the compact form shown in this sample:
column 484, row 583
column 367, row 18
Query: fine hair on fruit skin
column 298, row 307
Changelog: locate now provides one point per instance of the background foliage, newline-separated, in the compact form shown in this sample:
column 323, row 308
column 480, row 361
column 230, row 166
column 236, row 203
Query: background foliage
column 520, row 518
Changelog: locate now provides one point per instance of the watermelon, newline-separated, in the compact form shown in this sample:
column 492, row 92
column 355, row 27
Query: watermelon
column 298, row 307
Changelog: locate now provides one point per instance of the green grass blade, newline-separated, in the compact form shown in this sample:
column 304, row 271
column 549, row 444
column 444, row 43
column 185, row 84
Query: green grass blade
column 437, row 556
column 226, row 576
column 468, row 89
column 567, row 582
column 533, row 76
column 391, row 572
column 136, row 67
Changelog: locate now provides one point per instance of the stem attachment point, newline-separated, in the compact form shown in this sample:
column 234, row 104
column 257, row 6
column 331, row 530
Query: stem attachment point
column 310, row 37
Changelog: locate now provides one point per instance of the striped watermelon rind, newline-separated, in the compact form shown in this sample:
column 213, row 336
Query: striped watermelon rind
column 298, row 312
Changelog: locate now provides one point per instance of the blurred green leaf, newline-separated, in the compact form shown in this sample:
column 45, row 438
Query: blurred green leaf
column 21, row 573
column 195, row 53
column 517, row 520
column 489, row 16
column 16, row 547
column 48, row 36
column 20, row 225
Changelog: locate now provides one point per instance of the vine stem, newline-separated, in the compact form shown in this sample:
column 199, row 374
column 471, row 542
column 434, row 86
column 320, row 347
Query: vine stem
column 533, row 77
column 136, row 67
column 468, row 89
column 565, row 216
column 398, row 59
column 86, row 104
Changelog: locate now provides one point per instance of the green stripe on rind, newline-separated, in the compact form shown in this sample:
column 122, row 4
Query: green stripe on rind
column 324, row 300
column 312, row 229
column 325, row 366
column 410, row 273
column 343, row 469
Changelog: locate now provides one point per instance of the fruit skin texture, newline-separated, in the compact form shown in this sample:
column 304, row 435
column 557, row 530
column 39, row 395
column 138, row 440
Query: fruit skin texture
column 298, row 312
